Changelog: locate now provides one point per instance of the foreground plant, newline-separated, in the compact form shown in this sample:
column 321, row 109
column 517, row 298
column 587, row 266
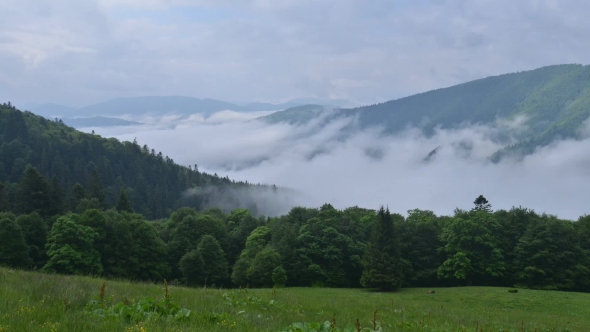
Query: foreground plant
column 144, row 309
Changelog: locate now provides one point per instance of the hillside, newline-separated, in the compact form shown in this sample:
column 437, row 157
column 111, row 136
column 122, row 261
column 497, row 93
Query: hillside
column 553, row 100
column 163, row 105
column 154, row 184
column 97, row 121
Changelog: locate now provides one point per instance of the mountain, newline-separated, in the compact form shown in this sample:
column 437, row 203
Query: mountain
column 163, row 105
column 553, row 101
column 97, row 121
column 154, row 184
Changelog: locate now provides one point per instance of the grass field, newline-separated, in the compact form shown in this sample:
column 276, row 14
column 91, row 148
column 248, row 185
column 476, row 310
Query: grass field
column 38, row 302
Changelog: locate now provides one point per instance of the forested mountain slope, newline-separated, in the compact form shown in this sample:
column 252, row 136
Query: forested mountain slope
column 554, row 102
column 154, row 184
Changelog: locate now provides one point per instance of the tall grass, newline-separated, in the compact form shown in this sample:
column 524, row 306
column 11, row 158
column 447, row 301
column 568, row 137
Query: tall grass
column 32, row 301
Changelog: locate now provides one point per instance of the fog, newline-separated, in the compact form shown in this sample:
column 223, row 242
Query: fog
column 368, row 169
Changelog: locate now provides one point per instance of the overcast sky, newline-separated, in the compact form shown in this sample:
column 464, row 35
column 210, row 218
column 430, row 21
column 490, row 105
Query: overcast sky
column 80, row 52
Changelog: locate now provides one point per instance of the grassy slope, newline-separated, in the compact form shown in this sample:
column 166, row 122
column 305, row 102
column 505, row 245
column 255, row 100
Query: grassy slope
column 36, row 302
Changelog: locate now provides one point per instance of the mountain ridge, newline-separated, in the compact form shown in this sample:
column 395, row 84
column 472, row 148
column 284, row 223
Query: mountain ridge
column 553, row 100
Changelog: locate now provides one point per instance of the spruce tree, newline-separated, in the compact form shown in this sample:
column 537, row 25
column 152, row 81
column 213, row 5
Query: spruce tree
column 123, row 204
column 382, row 262
column 13, row 248
column 34, row 230
column 96, row 189
column 77, row 194
column 33, row 193
column 56, row 195
column 4, row 201
column 16, row 127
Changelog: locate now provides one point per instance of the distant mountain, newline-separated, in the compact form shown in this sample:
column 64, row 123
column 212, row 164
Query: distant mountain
column 97, row 121
column 162, row 105
column 553, row 102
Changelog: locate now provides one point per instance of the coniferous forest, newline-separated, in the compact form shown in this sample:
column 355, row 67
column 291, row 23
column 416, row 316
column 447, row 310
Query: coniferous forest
column 75, row 203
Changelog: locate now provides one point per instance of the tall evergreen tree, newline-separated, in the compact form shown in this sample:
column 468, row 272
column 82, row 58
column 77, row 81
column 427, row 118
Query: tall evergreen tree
column 4, row 199
column 56, row 194
column 33, row 193
column 96, row 189
column 77, row 194
column 123, row 204
column 34, row 230
column 16, row 127
column 382, row 262
column 13, row 248
column 482, row 204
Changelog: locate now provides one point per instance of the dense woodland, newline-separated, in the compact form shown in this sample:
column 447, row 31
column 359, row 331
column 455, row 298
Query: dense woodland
column 78, row 166
column 50, row 221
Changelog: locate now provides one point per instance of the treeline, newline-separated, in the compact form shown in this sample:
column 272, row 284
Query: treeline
column 322, row 247
column 154, row 184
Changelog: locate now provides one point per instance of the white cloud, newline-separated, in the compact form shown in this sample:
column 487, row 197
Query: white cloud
column 367, row 169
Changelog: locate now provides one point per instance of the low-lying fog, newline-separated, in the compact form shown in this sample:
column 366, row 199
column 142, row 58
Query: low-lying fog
column 368, row 169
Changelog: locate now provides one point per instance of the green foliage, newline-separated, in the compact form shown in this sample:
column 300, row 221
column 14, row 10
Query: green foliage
column 96, row 189
column 56, row 197
column 420, row 241
column 154, row 183
column 34, row 229
column 191, row 265
column 76, row 196
column 34, row 193
column 70, row 248
column 215, row 266
column 123, row 204
column 261, row 269
column 132, row 248
column 548, row 256
column 13, row 248
column 4, row 201
column 472, row 247
column 382, row 260
column 279, row 276
column 144, row 309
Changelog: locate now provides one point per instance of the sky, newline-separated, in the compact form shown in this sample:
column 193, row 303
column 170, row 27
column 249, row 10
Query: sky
column 368, row 169
column 77, row 53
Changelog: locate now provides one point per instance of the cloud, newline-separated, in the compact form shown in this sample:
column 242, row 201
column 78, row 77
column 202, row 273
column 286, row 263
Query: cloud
column 368, row 169
column 259, row 50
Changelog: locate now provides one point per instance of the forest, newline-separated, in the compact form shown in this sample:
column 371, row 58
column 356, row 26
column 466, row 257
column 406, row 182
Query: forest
column 70, row 159
column 70, row 220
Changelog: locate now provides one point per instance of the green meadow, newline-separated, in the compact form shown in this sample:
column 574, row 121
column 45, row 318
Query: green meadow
column 31, row 301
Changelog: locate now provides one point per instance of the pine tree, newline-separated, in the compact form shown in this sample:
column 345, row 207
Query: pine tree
column 33, row 193
column 123, row 204
column 382, row 262
column 481, row 203
column 16, row 127
column 96, row 189
column 76, row 196
column 4, row 201
column 13, row 248
column 34, row 230
column 56, row 195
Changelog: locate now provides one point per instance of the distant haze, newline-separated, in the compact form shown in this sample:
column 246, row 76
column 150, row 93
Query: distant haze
column 368, row 169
